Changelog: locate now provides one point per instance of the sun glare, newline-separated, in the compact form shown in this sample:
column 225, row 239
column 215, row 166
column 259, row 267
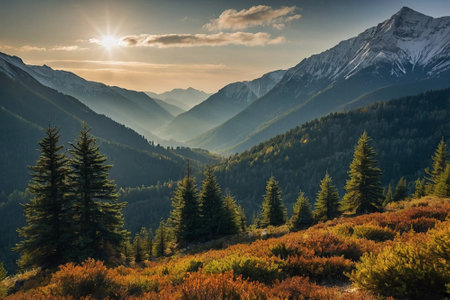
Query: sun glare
column 109, row 42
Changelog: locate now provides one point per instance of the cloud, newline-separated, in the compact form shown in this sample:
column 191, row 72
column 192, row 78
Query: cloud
column 260, row 15
column 67, row 48
column 29, row 48
column 195, row 40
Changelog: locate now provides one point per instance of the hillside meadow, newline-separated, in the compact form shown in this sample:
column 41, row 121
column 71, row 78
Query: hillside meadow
column 400, row 253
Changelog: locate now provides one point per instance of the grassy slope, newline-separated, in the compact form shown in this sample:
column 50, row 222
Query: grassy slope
column 273, row 267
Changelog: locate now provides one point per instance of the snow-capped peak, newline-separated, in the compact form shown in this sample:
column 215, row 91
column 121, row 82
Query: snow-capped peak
column 405, row 42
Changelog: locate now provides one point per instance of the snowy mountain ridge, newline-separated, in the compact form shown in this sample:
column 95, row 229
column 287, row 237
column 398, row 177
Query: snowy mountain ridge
column 407, row 41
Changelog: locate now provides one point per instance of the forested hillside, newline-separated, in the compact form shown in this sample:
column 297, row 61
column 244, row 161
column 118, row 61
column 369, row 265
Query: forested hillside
column 404, row 133
column 26, row 107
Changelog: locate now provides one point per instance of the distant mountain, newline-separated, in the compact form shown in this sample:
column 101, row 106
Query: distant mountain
column 26, row 107
column 172, row 109
column 133, row 109
column 404, row 132
column 219, row 107
column 183, row 98
column 404, row 55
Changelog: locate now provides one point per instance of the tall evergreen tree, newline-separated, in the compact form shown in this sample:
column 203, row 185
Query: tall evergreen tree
column 232, row 220
column 363, row 188
column 2, row 271
column 97, row 212
column 401, row 190
column 438, row 167
column 442, row 188
column 160, row 240
column 302, row 216
column 47, row 235
column 388, row 198
column 185, row 219
column 273, row 211
column 419, row 189
column 212, row 207
column 327, row 201
column 142, row 245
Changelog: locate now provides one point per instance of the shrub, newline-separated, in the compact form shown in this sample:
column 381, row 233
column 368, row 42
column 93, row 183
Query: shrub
column 250, row 267
column 91, row 279
column 319, row 268
column 280, row 250
column 415, row 269
column 373, row 232
column 221, row 286
column 301, row 288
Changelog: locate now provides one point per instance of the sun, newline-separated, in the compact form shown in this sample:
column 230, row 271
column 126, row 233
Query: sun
column 110, row 42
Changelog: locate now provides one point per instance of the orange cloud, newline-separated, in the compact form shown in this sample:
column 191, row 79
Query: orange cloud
column 260, row 15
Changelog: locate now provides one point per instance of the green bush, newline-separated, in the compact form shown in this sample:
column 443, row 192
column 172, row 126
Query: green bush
column 319, row 268
column 373, row 232
column 250, row 267
column 280, row 250
column 409, row 270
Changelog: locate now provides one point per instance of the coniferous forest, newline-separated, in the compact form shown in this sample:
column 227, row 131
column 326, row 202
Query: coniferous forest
column 326, row 180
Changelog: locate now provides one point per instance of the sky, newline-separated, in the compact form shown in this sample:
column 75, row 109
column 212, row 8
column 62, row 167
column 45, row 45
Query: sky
column 159, row 45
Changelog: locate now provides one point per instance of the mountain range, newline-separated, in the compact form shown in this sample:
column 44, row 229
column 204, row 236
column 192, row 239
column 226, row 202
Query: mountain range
column 185, row 99
column 27, row 107
column 404, row 55
column 219, row 107
column 134, row 109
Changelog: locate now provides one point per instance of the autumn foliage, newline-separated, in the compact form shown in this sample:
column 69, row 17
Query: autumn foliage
column 363, row 257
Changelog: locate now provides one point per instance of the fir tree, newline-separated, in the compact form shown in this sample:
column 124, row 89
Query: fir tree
column 401, row 190
column 48, row 233
column 327, row 201
column 212, row 207
column 242, row 219
column 2, row 271
column 160, row 241
column 185, row 219
column 438, row 167
column 388, row 198
column 233, row 222
column 142, row 245
column 419, row 189
column 302, row 216
column 442, row 188
column 363, row 188
column 97, row 212
column 128, row 252
column 273, row 211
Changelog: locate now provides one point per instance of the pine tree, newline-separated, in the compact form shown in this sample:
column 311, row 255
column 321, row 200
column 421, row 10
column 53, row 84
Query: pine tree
column 242, row 219
column 2, row 271
column 273, row 211
column 388, row 198
column 438, row 167
column 48, row 233
column 142, row 246
column 233, row 221
column 97, row 212
column 442, row 188
column 327, row 201
column 363, row 187
column 302, row 216
column 160, row 240
column 401, row 190
column 419, row 189
column 212, row 207
column 185, row 219
column 128, row 252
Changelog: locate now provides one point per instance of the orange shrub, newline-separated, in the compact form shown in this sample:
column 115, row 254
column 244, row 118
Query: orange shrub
column 319, row 268
column 221, row 286
column 92, row 279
